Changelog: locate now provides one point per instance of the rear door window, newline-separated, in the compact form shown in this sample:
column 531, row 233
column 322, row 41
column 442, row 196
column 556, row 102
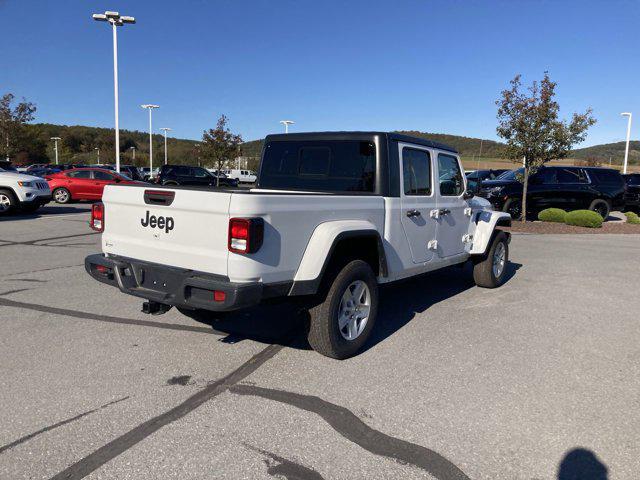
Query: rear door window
column 416, row 171
column 80, row 174
column 571, row 175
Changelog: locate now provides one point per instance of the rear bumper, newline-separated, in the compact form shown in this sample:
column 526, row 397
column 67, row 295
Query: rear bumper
column 171, row 285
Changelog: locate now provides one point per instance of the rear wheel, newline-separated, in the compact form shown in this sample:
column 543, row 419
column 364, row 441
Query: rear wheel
column 342, row 323
column 62, row 195
column 490, row 270
column 8, row 202
column 601, row 207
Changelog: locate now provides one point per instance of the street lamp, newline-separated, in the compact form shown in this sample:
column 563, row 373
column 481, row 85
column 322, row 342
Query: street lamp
column 626, row 150
column 55, row 147
column 150, row 107
column 98, row 150
column 286, row 124
column 165, row 130
column 115, row 20
column 133, row 149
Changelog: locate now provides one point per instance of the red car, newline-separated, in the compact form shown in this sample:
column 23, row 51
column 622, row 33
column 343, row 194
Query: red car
column 83, row 183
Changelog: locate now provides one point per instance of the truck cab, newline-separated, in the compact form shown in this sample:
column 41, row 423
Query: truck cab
column 333, row 215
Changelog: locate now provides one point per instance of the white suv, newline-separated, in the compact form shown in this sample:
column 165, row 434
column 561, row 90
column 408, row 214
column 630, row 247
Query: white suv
column 23, row 192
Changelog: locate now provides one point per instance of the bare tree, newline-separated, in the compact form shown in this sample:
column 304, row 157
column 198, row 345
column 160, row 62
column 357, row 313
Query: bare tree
column 529, row 123
column 219, row 145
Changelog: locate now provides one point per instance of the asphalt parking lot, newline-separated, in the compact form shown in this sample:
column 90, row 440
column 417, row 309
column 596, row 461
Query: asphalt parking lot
column 535, row 380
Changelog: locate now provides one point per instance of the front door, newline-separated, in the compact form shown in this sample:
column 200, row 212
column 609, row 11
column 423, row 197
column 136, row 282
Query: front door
column 417, row 200
column 453, row 223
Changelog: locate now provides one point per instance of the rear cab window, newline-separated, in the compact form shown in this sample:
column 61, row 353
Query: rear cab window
column 322, row 165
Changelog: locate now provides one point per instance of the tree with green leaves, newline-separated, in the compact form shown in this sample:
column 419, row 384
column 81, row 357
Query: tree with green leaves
column 219, row 145
column 12, row 121
column 528, row 121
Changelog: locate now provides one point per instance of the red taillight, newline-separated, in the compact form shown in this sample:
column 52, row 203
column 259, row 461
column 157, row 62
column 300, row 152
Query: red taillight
column 102, row 269
column 97, row 217
column 219, row 296
column 245, row 234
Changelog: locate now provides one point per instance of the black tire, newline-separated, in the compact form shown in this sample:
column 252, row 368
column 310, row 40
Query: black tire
column 513, row 206
column 61, row 195
column 601, row 207
column 325, row 336
column 170, row 183
column 484, row 274
column 8, row 202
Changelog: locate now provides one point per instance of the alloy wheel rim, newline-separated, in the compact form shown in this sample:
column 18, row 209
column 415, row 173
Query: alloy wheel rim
column 499, row 258
column 354, row 310
column 61, row 195
column 5, row 203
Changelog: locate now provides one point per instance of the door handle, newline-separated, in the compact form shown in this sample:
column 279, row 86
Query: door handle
column 413, row 213
column 444, row 211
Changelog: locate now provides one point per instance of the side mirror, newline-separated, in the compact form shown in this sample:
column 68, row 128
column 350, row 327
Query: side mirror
column 118, row 180
column 469, row 193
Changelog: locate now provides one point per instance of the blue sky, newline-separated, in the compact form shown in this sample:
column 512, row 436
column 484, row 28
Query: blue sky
column 434, row 66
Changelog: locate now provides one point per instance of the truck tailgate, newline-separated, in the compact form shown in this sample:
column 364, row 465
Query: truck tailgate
column 177, row 227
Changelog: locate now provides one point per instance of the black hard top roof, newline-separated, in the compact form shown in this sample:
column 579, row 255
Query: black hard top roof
column 279, row 137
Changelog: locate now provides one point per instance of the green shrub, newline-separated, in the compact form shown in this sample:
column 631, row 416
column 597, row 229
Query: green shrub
column 552, row 215
column 632, row 217
column 584, row 218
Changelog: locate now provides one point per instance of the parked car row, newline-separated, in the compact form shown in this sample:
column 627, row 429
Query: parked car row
column 565, row 187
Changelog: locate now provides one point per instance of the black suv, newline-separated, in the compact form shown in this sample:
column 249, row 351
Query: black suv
column 569, row 188
column 187, row 175
column 632, row 193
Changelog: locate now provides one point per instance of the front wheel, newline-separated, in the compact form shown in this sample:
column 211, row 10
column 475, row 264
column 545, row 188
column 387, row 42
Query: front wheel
column 8, row 202
column 513, row 207
column 490, row 270
column 342, row 323
column 62, row 195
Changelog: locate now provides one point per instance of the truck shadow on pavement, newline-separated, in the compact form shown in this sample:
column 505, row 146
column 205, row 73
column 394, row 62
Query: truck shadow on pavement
column 582, row 464
column 48, row 211
column 285, row 323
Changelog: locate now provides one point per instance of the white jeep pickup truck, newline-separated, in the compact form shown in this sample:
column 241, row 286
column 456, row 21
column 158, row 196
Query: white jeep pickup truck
column 22, row 192
column 332, row 217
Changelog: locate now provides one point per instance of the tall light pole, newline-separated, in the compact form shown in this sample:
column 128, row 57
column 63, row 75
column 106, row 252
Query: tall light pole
column 626, row 150
column 116, row 20
column 150, row 107
column 98, row 150
column 286, row 124
column 133, row 149
column 55, row 146
column 165, row 130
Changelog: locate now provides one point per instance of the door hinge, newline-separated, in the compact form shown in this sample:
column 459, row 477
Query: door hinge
column 435, row 214
column 467, row 211
column 467, row 238
column 432, row 245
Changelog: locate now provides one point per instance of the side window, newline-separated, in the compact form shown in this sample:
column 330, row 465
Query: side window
column 80, row 174
column 200, row 172
column 571, row 175
column 416, row 171
column 100, row 175
column 450, row 176
column 182, row 171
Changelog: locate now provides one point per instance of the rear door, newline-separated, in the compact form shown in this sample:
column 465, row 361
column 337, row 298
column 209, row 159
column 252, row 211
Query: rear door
column 79, row 183
column 100, row 180
column 453, row 223
column 418, row 200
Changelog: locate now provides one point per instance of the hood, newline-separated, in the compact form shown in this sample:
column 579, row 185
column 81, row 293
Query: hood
column 17, row 177
column 496, row 183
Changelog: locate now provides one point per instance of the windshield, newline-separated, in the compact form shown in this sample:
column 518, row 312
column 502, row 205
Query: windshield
column 510, row 174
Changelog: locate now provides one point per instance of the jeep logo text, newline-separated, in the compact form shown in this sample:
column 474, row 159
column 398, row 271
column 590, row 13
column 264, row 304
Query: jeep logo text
column 152, row 221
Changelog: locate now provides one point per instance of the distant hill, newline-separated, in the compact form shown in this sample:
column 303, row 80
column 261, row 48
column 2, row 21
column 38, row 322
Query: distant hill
column 615, row 151
column 467, row 146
